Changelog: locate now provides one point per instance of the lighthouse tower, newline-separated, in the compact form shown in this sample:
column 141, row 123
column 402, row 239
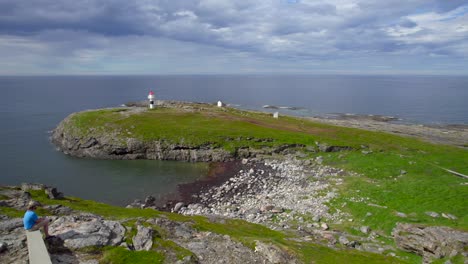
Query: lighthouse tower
column 151, row 99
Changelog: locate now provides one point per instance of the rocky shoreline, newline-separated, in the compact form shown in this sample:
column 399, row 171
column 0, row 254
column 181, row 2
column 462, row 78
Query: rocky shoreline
column 456, row 135
column 292, row 195
column 287, row 189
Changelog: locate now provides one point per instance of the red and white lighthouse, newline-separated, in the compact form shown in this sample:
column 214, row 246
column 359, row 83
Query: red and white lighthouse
column 151, row 99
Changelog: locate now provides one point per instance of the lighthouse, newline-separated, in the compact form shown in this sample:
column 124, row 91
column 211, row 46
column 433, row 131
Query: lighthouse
column 151, row 99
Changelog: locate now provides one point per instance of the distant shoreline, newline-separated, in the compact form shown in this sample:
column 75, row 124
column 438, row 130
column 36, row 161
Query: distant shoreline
column 449, row 134
column 455, row 134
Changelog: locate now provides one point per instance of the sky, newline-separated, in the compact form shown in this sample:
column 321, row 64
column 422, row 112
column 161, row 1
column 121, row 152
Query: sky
column 87, row 37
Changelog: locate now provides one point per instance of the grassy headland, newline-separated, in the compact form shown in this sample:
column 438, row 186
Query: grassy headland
column 423, row 186
column 395, row 174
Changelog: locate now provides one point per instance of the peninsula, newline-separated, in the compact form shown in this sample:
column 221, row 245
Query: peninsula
column 305, row 191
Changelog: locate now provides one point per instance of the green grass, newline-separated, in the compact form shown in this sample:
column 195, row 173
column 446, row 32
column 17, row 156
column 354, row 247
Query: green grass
column 11, row 212
column 117, row 255
column 314, row 254
column 422, row 189
column 105, row 210
column 163, row 245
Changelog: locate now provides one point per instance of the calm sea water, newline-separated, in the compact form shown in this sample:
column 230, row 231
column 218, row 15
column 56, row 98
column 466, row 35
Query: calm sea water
column 30, row 107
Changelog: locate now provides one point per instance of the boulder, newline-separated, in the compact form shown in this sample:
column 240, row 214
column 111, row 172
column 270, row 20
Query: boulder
column 143, row 239
column 449, row 216
column 400, row 214
column 10, row 224
column 430, row 242
column 178, row 206
column 149, row 201
column 25, row 196
column 328, row 148
column 87, row 230
column 13, row 247
column 324, row 226
column 272, row 253
column 343, row 240
column 432, row 214
column 58, row 209
column 365, row 229
column 183, row 231
column 3, row 246
column 32, row 186
column 52, row 193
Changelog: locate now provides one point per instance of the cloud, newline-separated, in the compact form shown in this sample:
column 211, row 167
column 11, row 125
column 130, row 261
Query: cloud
column 252, row 33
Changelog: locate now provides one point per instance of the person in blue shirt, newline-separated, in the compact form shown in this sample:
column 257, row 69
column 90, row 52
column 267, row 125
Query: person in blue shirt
column 32, row 222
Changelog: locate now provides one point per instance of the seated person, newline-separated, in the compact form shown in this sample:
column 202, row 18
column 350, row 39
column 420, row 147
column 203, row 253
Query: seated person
column 33, row 223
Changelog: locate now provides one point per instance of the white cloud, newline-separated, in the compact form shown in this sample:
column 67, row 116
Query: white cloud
column 262, row 34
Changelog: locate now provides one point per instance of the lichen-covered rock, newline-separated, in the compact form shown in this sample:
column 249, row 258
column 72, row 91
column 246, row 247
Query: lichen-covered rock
column 87, row 230
column 52, row 193
column 273, row 254
column 12, row 241
column 213, row 248
column 143, row 239
column 433, row 242
column 10, row 224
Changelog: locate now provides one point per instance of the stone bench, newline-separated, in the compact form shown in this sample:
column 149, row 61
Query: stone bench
column 37, row 250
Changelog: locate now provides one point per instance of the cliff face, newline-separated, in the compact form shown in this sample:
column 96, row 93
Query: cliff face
column 106, row 146
column 111, row 141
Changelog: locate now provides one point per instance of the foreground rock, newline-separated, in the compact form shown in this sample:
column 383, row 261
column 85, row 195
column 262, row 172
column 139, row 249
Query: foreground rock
column 77, row 232
column 12, row 241
column 433, row 242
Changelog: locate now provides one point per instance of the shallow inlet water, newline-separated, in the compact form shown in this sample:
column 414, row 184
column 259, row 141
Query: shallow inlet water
column 30, row 107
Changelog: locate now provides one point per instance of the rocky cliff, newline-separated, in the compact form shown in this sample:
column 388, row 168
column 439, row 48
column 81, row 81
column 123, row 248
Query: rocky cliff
column 106, row 146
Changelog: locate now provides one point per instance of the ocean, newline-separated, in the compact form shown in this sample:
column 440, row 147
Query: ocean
column 30, row 107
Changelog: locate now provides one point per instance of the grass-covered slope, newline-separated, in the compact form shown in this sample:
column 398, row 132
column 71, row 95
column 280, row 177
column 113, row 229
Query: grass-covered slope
column 395, row 174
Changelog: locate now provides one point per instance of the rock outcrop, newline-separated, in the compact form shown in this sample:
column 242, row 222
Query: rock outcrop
column 143, row 239
column 107, row 147
column 431, row 242
column 79, row 231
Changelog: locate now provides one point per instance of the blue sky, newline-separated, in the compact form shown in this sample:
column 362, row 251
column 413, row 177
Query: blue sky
column 47, row 37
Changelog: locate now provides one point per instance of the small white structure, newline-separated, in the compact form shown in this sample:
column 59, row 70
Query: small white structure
column 275, row 114
column 220, row 104
column 151, row 99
